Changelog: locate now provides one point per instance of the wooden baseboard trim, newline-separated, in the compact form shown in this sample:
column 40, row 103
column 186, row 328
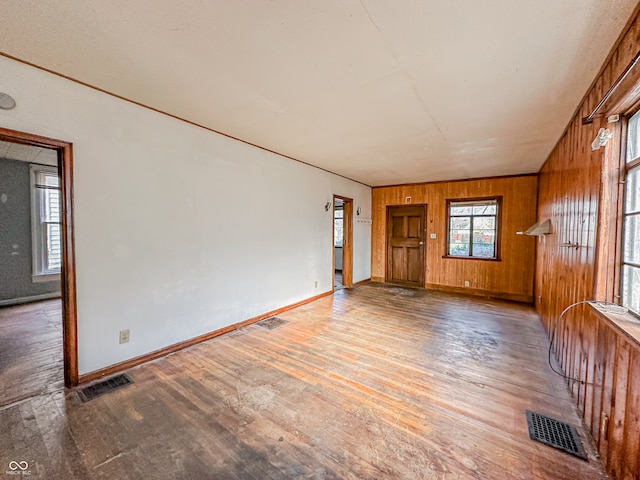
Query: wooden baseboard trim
column 377, row 279
column 361, row 282
column 134, row 362
column 514, row 297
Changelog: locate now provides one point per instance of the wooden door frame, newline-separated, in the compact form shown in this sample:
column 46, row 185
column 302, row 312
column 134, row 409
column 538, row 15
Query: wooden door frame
column 387, row 274
column 347, row 242
column 68, row 271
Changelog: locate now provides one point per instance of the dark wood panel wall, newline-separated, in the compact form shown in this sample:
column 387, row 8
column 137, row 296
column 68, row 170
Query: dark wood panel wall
column 511, row 277
column 606, row 361
column 579, row 191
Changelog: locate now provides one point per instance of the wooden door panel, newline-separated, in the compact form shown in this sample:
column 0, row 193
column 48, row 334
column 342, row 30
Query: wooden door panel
column 414, row 227
column 406, row 245
column 398, row 263
column 397, row 229
column 414, row 265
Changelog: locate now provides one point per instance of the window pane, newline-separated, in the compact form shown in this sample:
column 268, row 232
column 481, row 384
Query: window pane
column 484, row 210
column 460, row 236
column 632, row 194
column 338, row 214
column 484, row 223
column 54, row 247
column 631, row 288
column 631, row 243
column 48, row 179
column 51, row 180
column 459, row 249
column 52, row 205
column 484, row 236
column 458, row 223
column 463, row 210
column 633, row 138
column 483, row 251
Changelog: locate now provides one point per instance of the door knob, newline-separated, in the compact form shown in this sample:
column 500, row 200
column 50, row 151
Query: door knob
column 421, row 243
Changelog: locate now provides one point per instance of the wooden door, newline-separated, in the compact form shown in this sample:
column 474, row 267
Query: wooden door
column 406, row 231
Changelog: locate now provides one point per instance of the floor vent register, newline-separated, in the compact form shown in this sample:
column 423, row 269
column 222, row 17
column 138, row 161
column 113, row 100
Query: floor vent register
column 554, row 433
column 272, row 322
column 105, row 386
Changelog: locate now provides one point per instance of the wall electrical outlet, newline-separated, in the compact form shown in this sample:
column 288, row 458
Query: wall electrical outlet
column 466, row 283
column 124, row 336
column 316, row 284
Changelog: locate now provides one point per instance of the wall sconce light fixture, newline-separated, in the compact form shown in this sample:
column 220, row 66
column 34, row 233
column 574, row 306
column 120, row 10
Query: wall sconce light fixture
column 358, row 210
column 327, row 206
column 601, row 139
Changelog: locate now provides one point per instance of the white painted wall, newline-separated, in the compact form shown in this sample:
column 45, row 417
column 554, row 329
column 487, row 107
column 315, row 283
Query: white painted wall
column 179, row 231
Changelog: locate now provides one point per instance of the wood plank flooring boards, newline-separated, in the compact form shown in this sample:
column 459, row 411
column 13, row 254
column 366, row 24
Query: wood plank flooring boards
column 30, row 350
column 374, row 382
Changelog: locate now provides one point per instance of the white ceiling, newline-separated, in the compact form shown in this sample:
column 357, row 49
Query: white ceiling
column 28, row 153
column 383, row 92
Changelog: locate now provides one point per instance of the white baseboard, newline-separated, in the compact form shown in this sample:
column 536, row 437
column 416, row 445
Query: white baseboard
column 34, row 298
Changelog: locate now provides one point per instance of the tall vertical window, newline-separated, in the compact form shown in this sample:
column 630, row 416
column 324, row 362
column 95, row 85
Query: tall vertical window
column 46, row 228
column 473, row 228
column 338, row 227
column 631, row 231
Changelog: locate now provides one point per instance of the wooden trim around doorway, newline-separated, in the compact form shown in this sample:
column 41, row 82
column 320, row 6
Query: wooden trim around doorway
column 347, row 241
column 68, row 274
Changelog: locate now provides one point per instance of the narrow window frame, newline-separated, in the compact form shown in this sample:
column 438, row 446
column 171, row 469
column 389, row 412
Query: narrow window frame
column 39, row 258
column 335, row 229
column 627, row 166
column 498, row 199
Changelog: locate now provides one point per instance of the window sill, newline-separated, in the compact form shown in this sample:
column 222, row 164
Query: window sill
column 45, row 277
column 473, row 258
column 627, row 323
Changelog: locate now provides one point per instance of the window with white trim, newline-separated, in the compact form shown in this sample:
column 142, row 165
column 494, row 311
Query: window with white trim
column 46, row 227
column 630, row 287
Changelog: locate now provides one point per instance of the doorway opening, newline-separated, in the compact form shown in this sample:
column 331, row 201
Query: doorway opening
column 342, row 242
column 50, row 261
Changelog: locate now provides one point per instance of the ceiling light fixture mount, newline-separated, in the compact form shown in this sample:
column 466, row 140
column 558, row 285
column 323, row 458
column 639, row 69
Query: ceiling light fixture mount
column 6, row 101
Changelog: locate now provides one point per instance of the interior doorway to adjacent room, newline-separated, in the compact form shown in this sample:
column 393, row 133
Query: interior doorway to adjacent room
column 342, row 242
column 37, row 301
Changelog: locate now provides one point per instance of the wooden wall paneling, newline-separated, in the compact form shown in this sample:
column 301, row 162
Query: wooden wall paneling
column 579, row 191
column 608, row 345
column 632, row 419
column 615, row 457
column 599, row 362
column 589, row 343
column 512, row 277
column 574, row 359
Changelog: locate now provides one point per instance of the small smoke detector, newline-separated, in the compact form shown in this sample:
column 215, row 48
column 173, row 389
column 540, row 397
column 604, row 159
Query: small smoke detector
column 6, row 101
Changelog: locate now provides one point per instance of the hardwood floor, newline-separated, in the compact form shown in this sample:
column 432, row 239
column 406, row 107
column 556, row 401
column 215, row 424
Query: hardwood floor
column 373, row 382
column 30, row 350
